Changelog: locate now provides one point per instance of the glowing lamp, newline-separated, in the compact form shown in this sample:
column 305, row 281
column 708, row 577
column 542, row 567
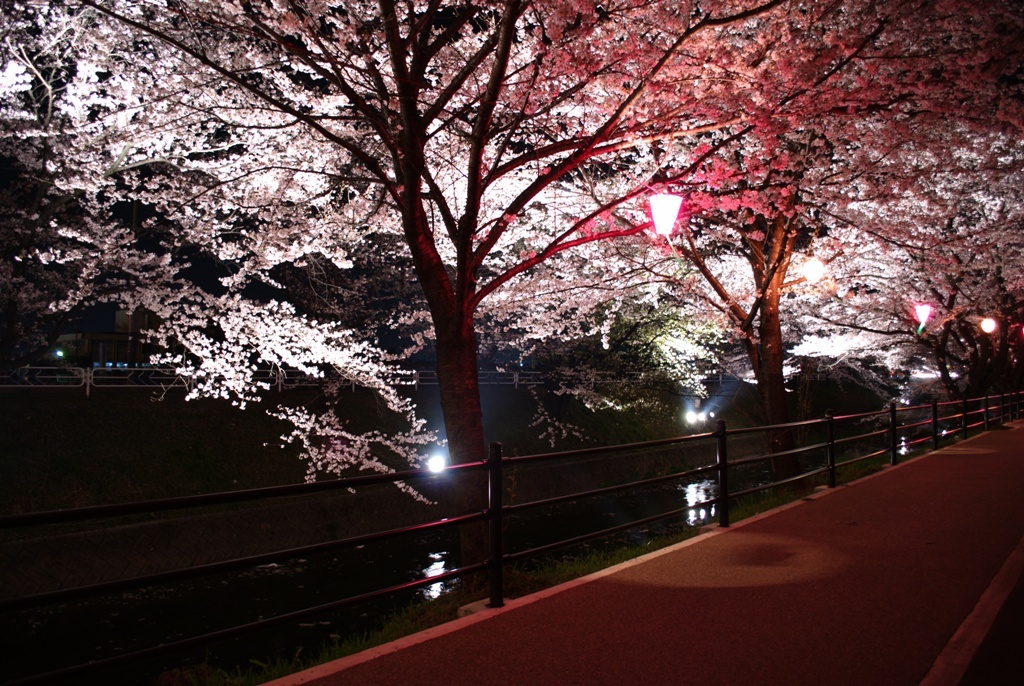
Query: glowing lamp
column 813, row 270
column 923, row 312
column 664, row 210
column 988, row 325
column 437, row 463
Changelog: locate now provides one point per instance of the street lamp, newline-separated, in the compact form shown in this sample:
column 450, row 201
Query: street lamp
column 664, row 210
column 923, row 312
column 988, row 325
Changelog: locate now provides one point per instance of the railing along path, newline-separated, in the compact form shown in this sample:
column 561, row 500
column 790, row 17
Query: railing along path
column 721, row 462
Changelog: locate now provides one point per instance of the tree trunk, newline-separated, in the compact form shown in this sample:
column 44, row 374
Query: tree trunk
column 458, row 380
column 459, row 385
column 450, row 307
column 771, row 385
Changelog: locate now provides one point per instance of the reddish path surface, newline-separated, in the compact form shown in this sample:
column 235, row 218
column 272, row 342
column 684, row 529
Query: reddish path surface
column 894, row 579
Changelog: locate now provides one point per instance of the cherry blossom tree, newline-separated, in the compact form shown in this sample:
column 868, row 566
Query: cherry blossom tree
column 484, row 137
column 863, row 81
column 948, row 238
column 477, row 156
column 68, row 239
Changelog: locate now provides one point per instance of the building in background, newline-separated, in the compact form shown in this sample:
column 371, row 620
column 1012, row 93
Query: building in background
column 125, row 346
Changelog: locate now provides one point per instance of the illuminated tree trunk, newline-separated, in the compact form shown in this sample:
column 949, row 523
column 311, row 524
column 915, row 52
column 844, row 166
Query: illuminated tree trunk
column 458, row 380
column 460, row 395
column 771, row 387
column 768, row 246
column 769, row 260
column 450, row 300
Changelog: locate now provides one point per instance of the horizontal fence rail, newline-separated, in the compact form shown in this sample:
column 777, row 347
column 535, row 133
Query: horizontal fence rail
column 278, row 379
column 711, row 469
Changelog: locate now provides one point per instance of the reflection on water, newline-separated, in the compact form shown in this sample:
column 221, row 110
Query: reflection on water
column 696, row 493
column 433, row 569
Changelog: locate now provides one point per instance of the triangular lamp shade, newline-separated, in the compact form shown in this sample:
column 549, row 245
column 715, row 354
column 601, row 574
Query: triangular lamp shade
column 664, row 210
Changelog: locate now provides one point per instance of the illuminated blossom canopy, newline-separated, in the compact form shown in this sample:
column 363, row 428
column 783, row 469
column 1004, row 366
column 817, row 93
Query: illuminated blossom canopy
column 486, row 166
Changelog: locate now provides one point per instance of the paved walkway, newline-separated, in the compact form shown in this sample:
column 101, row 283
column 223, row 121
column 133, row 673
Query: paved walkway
column 893, row 579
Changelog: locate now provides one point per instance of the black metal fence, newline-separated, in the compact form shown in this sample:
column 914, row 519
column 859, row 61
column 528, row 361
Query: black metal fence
column 44, row 556
column 90, row 378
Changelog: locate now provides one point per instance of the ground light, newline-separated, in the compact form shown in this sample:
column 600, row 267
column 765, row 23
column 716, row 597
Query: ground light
column 693, row 416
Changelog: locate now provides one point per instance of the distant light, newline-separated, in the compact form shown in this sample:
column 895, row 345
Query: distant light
column 664, row 210
column 813, row 270
column 988, row 325
column 702, row 417
column 59, row 353
column 691, row 417
column 711, row 414
column 437, row 463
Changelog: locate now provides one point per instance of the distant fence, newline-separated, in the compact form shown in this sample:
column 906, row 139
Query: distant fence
column 279, row 379
column 706, row 471
column 90, row 378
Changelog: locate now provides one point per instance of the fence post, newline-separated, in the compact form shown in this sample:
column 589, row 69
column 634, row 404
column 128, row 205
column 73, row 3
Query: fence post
column 935, row 424
column 963, row 421
column 830, row 428
column 495, row 493
column 1002, row 408
column 723, row 474
column 984, row 414
column 893, row 448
